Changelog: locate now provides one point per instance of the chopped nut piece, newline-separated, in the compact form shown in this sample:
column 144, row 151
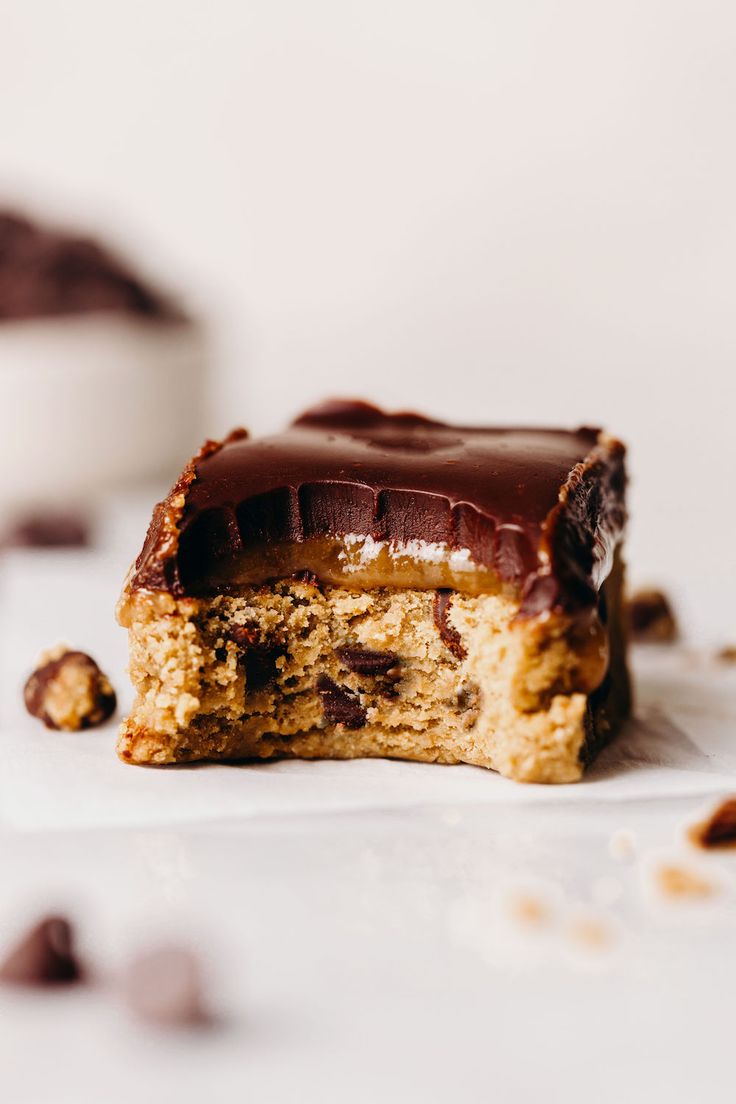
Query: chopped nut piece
column 719, row 830
column 44, row 956
column 529, row 909
column 69, row 691
column 651, row 617
column 164, row 986
column 592, row 932
column 726, row 654
column 683, row 883
column 622, row 845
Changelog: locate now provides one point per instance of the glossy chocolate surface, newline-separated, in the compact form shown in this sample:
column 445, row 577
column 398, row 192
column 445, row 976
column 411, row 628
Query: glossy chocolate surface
column 542, row 508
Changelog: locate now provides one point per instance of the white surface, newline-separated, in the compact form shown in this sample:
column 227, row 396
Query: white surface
column 95, row 386
column 500, row 212
column 352, row 915
column 506, row 210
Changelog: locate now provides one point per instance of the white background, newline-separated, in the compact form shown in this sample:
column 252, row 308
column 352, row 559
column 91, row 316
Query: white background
column 493, row 211
column 501, row 211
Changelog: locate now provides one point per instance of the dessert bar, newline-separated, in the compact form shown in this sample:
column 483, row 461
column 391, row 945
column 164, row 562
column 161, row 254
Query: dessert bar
column 372, row 584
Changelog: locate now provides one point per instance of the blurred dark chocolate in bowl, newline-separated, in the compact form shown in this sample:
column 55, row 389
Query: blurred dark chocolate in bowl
column 651, row 617
column 102, row 376
column 46, row 272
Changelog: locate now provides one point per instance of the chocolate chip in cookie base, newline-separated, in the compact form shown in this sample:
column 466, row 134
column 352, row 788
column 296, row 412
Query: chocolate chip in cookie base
column 67, row 691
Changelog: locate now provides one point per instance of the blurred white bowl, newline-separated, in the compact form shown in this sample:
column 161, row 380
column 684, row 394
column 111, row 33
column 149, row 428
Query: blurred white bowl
column 88, row 402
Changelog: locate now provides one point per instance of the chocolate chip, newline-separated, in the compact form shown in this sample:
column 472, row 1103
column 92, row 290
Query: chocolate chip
column 69, row 691
column 450, row 636
column 44, row 956
column 340, row 705
column 257, row 656
column 49, row 530
column 651, row 618
column 468, row 703
column 164, row 986
column 261, row 668
column 468, row 698
column 719, row 830
column 365, row 661
column 307, row 577
column 245, row 636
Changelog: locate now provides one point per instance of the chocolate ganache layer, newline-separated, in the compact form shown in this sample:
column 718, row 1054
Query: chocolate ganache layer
column 536, row 510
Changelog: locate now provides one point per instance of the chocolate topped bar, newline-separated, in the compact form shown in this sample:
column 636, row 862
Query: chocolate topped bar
column 356, row 495
column 372, row 584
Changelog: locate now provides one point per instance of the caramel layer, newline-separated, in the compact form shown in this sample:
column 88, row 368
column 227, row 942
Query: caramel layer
column 358, row 563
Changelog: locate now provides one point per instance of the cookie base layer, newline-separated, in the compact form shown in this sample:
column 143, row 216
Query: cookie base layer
column 294, row 669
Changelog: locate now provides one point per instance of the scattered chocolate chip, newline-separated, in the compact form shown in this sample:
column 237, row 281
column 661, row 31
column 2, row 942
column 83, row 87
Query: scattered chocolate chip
column 340, row 705
column 450, row 636
column 651, row 618
column 164, row 986
column 44, row 956
column 69, row 691
column 365, row 661
column 49, row 530
column 719, row 830
column 257, row 656
column 726, row 654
